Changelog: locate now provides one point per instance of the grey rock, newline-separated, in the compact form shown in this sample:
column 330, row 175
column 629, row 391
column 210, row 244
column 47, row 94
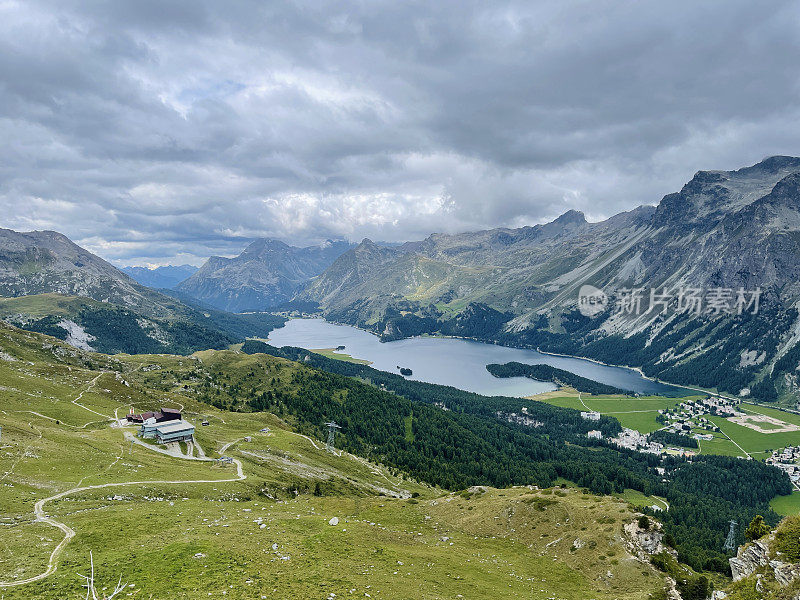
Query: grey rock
column 748, row 559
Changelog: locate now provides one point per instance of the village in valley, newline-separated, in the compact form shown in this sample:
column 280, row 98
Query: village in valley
column 701, row 424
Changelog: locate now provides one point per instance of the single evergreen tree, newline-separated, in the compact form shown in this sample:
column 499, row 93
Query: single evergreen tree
column 757, row 529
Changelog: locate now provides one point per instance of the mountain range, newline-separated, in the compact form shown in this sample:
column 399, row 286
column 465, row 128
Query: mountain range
column 726, row 230
column 51, row 285
column 164, row 277
column 736, row 232
column 39, row 262
column 265, row 274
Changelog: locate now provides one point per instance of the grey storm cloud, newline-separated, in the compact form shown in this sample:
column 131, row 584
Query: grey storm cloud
column 164, row 132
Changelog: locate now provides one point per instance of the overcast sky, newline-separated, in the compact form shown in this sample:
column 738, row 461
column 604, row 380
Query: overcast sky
column 156, row 132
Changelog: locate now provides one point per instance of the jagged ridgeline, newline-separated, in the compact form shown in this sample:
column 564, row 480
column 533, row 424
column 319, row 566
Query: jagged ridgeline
column 725, row 230
column 453, row 438
column 267, row 273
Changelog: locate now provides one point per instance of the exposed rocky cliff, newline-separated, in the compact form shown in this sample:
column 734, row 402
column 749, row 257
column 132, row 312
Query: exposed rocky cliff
column 770, row 567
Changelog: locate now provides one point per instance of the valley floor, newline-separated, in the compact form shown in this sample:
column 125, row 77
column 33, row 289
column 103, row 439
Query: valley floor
column 640, row 414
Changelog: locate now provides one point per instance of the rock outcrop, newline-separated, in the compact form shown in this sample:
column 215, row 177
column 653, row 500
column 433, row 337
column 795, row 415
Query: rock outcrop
column 644, row 543
column 760, row 559
column 749, row 559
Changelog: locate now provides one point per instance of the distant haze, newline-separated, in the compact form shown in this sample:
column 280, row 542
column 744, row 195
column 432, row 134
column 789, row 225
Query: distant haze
column 155, row 133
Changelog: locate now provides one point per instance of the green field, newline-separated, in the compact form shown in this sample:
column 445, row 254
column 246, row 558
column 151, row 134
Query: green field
column 635, row 413
column 771, row 412
column 754, row 441
column 719, row 445
column 786, row 505
column 640, row 414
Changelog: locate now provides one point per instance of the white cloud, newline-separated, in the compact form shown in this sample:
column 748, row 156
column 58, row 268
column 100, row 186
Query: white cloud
column 156, row 133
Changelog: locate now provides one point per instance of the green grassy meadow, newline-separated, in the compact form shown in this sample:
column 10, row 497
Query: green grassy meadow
column 181, row 528
column 786, row 505
column 634, row 413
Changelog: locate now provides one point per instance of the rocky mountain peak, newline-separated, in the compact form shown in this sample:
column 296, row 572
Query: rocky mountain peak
column 771, row 164
column 571, row 217
column 367, row 246
column 266, row 273
column 711, row 196
column 788, row 189
column 263, row 245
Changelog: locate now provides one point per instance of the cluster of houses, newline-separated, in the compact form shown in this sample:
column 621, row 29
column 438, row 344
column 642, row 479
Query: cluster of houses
column 519, row 418
column 165, row 426
column 631, row 439
column 689, row 415
column 787, row 460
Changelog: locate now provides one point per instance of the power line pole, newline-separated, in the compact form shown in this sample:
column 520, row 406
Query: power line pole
column 332, row 427
column 730, row 543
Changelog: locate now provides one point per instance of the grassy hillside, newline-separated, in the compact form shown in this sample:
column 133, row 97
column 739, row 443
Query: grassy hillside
column 111, row 328
column 477, row 440
column 187, row 528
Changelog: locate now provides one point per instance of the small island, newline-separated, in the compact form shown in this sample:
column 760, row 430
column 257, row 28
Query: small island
column 405, row 371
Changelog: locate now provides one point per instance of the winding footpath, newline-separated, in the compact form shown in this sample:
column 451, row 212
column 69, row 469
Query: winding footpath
column 69, row 533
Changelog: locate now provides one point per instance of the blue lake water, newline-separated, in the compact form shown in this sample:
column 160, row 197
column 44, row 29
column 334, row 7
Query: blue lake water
column 459, row 363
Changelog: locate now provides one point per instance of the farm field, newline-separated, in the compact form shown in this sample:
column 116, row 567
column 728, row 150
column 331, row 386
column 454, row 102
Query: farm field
column 754, row 441
column 719, row 445
column 771, row 412
column 635, row 413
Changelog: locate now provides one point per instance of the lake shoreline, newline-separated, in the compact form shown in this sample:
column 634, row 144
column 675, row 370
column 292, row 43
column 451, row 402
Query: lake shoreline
column 622, row 376
column 637, row 370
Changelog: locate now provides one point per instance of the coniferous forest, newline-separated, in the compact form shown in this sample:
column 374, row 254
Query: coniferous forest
column 462, row 439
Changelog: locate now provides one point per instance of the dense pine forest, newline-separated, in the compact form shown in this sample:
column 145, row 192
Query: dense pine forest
column 673, row 439
column 457, row 440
